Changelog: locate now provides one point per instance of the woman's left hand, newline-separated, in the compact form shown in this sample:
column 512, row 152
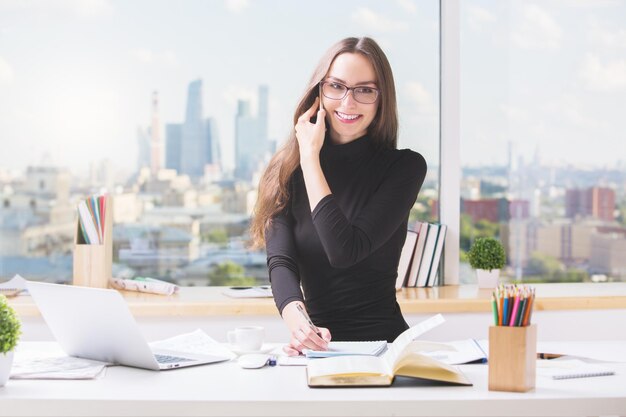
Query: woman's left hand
column 311, row 135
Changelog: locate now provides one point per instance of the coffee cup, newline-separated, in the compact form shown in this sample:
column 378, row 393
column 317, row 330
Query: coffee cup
column 248, row 338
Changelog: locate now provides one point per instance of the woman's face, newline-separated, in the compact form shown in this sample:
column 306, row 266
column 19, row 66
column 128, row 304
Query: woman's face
column 348, row 119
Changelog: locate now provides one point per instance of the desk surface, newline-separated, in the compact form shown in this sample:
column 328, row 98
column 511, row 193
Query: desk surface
column 207, row 301
column 226, row 389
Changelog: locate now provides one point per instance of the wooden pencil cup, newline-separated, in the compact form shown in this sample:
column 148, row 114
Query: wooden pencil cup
column 92, row 263
column 512, row 358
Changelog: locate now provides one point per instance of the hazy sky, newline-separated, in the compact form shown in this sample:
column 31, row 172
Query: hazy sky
column 76, row 76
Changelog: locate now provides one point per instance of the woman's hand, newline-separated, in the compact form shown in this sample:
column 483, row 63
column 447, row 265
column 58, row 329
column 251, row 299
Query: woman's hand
column 311, row 135
column 303, row 335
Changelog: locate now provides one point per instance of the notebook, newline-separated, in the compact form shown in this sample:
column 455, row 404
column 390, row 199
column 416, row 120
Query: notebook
column 95, row 323
column 372, row 348
column 570, row 368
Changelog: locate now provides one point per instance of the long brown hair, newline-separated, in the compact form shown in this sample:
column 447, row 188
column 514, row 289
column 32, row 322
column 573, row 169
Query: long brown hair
column 274, row 185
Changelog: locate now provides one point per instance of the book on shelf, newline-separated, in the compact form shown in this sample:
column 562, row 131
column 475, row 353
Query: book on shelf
column 422, row 230
column 434, row 267
column 91, row 220
column 406, row 256
column 399, row 360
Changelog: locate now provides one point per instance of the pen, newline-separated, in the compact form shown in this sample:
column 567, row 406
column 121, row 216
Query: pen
column 308, row 319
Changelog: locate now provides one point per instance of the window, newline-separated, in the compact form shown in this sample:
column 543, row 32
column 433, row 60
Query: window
column 174, row 110
column 543, row 88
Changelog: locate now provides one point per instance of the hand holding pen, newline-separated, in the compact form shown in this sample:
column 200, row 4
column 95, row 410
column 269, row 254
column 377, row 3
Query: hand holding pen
column 304, row 333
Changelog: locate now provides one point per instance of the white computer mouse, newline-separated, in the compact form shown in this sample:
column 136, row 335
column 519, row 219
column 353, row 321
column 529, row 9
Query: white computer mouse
column 253, row 360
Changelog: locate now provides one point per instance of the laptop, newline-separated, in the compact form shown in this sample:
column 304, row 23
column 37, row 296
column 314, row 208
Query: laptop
column 95, row 323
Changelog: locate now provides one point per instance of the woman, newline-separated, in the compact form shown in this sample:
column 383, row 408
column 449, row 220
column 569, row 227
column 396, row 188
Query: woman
column 334, row 203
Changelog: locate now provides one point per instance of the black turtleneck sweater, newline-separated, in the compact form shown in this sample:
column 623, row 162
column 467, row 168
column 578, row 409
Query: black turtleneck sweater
column 345, row 252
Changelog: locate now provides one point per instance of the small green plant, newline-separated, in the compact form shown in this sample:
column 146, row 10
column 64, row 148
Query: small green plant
column 487, row 253
column 9, row 326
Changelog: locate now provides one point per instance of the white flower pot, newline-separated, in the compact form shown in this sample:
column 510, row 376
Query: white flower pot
column 487, row 278
column 6, row 360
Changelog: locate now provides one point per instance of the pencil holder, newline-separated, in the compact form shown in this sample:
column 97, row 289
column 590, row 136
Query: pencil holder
column 512, row 358
column 92, row 263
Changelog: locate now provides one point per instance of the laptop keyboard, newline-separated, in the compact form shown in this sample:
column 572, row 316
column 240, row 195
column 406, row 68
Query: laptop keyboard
column 170, row 359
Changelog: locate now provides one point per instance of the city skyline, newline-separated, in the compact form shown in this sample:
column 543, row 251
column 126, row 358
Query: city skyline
column 540, row 74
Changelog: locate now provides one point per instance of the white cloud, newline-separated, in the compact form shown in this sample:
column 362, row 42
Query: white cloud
column 602, row 36
column 600, row 76
column 237, row 6
column 375, row 21
column 81, row 8
column 6, row 72
column 478, row 17
column 148, row 56
column 419, row 95
column 407, row 5
column 536, row 30
column 569, row 110
column 514, row 113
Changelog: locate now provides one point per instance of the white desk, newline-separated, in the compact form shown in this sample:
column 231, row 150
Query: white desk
column 225, row 389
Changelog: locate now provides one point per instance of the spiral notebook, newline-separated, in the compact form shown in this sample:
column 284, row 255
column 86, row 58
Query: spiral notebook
column 571, row 368
column 372, row 348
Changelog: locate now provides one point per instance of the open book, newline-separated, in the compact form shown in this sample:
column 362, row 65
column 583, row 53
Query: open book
column 398, row 360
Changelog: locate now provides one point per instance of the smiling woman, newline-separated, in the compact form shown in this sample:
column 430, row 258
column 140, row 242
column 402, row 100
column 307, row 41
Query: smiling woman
column 334, row 203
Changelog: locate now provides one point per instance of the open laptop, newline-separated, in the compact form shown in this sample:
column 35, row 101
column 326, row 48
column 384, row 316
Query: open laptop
column 97, row 324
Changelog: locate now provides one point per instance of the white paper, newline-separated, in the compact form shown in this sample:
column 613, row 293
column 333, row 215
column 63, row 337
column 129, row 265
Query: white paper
column 197, row 342
column 457, row 352
column 40, row 365
column 14, row 286
column 570, row 368
column 373, row 348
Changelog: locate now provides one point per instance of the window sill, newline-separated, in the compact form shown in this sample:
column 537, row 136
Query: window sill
column 209, row 301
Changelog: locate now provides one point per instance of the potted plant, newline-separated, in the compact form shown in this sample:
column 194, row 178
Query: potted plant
column 487, row 257
column 9, row 335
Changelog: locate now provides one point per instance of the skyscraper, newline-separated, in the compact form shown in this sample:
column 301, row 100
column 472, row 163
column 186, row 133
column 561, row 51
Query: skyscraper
column 156, row 145
column 251, row 143
column 173, row 139
column 193, row 144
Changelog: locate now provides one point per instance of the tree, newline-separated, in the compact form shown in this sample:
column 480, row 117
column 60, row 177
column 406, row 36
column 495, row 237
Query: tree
column 229, row 273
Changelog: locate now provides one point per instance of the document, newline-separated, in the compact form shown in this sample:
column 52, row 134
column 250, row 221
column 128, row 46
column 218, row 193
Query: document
column 13, row 287
column 42, row 365
column 372, row 348
column 196, row 342
column 570, row 368
column 457, row 352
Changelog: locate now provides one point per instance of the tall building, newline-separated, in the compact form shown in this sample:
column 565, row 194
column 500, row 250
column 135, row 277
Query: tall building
column 251, row 141
column 143, row 148
column 156, row 145
column 193, row 149
column 595, row 202
column 173, row 139
column 193, row 144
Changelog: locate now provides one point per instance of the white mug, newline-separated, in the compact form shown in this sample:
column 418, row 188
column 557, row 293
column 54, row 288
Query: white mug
column 247, row 338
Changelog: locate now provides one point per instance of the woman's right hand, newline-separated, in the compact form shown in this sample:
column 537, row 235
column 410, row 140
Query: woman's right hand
column 302, row 334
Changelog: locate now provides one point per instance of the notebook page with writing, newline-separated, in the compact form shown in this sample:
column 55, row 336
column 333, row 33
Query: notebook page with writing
column 571, row 368
column 371, row 348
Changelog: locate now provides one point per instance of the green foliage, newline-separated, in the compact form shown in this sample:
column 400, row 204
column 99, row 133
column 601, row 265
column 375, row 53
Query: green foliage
column 219, row 236
column 471, row 230
column 229, row 273
column 9, row 326
column 487, row 253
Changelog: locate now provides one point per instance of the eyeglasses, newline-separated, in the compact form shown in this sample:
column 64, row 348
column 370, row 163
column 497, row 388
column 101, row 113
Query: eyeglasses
column 337, row 91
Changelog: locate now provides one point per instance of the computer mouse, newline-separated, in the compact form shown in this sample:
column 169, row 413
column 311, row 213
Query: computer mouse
column 253, row 360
